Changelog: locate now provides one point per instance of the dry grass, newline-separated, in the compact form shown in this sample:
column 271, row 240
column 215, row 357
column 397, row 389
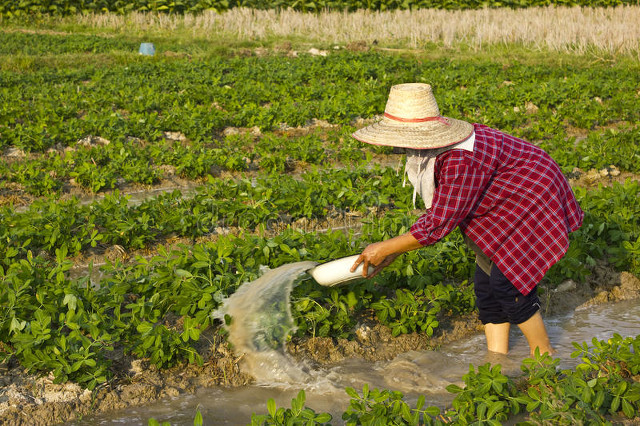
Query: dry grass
column 563, row 29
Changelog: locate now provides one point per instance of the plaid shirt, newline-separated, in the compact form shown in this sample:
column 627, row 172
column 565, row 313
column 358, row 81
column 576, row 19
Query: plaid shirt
column 510, row 198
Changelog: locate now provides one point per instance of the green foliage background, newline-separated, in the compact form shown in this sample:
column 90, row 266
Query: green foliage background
column 11, row 8
column 52, row 96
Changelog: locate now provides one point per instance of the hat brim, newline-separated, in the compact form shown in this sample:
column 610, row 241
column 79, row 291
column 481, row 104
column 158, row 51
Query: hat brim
column 427, row 135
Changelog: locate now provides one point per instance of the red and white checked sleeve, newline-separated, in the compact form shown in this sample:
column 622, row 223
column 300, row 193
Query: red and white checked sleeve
column 458, row 189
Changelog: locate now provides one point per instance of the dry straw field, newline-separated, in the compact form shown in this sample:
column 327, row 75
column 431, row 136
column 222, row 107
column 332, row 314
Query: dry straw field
column 563, row 29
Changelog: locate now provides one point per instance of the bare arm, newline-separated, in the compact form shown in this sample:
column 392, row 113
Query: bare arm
column 382, row 253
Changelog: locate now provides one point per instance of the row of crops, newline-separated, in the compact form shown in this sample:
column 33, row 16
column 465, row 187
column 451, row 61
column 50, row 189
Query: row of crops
column 24, row 8
column 586, row 117
column 99, row 168
column 597, row 391
column 44, row 308
column 54, row 323
column 143, row 97
column 51, row 110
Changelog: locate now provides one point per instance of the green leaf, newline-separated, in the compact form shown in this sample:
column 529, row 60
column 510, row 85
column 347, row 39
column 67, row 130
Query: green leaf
column 597, row 403
column 352, row 301
column 194, row 334
column 70, row 300
column 453, row 388
column 144, row 327
column 197, row 421
column 271, row 407
column 365, row 391
column 628, row 409
column 184, row 274
column 615, row 404
column 532, row 405
column 495, row 408
column 421, row 401
column 482, row 409
column 300, row 398
column 432, row 411
column 16, row 325
column 406, row 413
column 352, row 392
column 323, row 418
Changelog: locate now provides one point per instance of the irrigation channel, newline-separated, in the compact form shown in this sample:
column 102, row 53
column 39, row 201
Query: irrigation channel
column 262, row 320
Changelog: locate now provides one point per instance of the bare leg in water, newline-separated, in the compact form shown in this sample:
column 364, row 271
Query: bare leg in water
column 497, row 337
column 533, row 329
column 536, row 334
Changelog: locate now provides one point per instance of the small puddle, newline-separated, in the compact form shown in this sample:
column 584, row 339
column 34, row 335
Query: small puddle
column 262, row 319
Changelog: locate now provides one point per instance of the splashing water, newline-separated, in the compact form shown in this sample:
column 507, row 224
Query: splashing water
column 261, row 321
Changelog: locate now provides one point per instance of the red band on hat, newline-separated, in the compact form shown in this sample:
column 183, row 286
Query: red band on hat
column 418, row 120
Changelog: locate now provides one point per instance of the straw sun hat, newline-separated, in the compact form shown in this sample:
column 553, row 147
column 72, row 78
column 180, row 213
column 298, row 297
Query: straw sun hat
column 412, row 120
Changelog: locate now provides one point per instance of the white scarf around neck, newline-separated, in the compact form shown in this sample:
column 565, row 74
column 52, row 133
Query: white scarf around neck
column 420, row 169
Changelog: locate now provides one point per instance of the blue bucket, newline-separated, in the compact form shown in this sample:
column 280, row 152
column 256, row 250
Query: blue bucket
column 147, row 49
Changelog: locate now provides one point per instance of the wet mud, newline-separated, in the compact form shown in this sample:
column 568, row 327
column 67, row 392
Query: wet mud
column 31, row 400
column 27, row 399
column 606, row 177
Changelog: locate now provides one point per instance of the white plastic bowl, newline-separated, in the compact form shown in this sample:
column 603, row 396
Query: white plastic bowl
column 337, row 271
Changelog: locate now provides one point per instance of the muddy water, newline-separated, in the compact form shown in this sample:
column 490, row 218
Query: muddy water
column 413, row 373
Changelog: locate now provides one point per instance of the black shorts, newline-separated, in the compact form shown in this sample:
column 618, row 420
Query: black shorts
column 499, row 301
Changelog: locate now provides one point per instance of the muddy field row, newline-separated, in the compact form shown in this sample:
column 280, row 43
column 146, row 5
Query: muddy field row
column 32, row 400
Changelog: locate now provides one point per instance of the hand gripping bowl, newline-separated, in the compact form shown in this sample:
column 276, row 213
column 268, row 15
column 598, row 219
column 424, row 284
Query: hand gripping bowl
column 337, row 271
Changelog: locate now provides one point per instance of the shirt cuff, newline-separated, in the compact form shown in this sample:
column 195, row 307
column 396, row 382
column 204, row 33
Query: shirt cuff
column 418, row 231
